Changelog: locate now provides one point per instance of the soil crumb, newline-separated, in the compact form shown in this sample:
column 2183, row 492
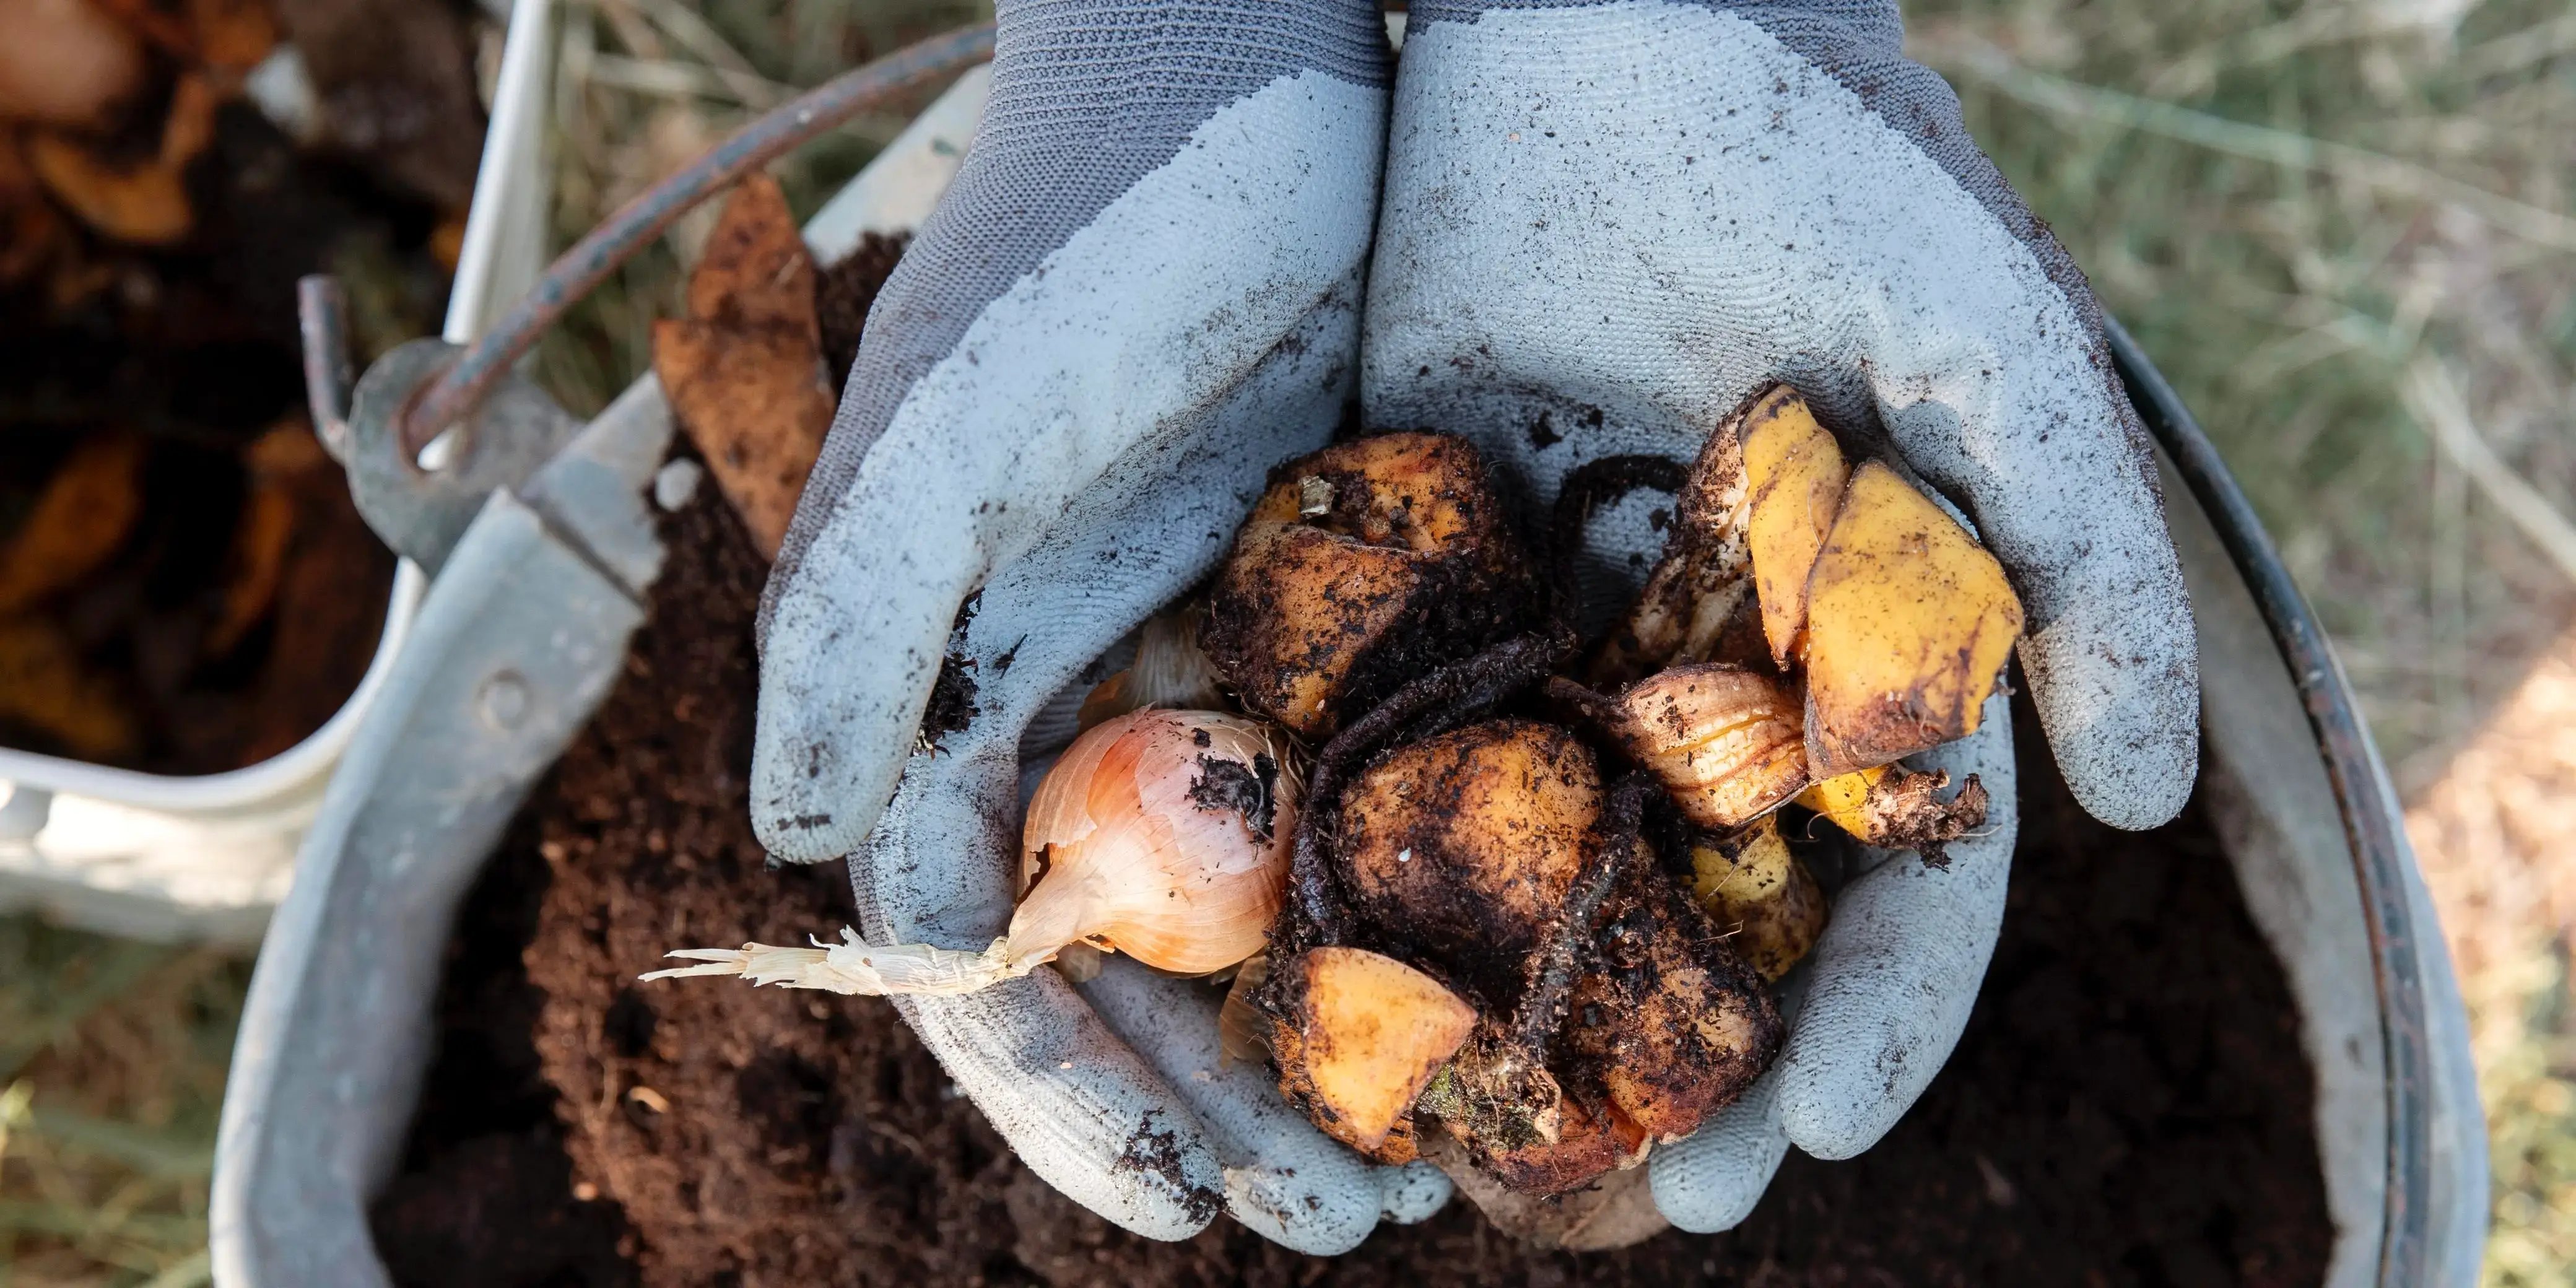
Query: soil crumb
column 2129, row 1105
column 843, row 293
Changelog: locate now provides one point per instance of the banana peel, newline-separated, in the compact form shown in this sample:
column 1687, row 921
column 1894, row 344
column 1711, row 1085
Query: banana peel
column 1845, row 580
column 1895, row 808
column 1793, row 479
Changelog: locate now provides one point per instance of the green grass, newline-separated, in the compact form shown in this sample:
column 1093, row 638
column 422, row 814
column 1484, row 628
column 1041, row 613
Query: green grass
column 2347, row 239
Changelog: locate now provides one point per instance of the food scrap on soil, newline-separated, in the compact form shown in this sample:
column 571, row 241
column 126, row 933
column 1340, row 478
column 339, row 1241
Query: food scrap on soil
column 185, row 587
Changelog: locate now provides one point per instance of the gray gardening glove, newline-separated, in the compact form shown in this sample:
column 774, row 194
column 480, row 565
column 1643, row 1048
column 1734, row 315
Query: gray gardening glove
column 1604, row 226
column 1141, row 292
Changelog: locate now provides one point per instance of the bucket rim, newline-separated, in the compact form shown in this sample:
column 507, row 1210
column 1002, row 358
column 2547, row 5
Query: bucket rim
column 2364, row 800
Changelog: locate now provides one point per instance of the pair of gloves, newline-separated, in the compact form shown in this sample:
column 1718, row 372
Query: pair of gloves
column 1188, row 235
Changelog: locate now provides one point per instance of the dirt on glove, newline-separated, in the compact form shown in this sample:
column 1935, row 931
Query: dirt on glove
column 2129, row 1104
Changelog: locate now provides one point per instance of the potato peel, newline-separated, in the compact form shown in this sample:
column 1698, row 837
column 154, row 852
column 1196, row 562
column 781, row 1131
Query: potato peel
column 1519, row 1124
column 1463, row 848
column 1672, row 1022
column 1794, row 477
column 1909, row 623
column 1483, row 850
column 1362, row 1035
column 1363, row 566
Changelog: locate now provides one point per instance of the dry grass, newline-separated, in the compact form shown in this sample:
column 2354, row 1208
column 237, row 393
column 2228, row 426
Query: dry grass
column 112, row 1062
column 2337, row 230
column 645, row 86
column 2498, row 846
column 2342, row 226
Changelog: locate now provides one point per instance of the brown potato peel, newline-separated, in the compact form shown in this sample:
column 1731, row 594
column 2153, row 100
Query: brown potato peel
column 745, row 372
column 1363, row 566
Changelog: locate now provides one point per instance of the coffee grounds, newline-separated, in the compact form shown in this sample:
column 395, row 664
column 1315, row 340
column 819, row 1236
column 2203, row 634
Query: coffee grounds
column 2129, row 1104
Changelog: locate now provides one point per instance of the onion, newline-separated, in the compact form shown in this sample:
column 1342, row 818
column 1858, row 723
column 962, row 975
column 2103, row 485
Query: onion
column 1164, row 835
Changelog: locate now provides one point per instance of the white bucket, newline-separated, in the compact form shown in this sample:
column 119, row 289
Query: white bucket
column 207, row 856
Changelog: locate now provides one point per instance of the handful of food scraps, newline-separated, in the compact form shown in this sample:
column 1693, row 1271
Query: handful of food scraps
column 1463, row 866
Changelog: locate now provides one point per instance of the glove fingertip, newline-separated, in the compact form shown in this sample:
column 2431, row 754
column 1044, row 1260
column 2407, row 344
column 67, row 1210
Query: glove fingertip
column 2115, row 678
column 849, row 663
column 1318, row 1216
column 1892, row 987
column 1079, row 1108
column 1284, row 1179
column 2133, row 769
column 1413, row 1192
column 808, row 801
column 1712, row 1180
column 2149, row 790
column 1832, row 1131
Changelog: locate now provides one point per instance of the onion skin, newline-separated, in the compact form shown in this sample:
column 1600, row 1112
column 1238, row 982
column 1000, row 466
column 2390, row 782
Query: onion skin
column 1148, row 838
column 1164, row 835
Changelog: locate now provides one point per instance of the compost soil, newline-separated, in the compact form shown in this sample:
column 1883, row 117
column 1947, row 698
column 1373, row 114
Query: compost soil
column 844, row 291
column 2129, row 1104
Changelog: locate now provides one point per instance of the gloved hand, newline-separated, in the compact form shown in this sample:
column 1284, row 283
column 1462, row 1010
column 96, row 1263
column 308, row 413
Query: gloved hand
column 1605, row 225
column 1141, row 292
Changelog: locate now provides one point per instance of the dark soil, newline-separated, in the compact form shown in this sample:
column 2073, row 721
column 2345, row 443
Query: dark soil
column 843, row 293
column 2129, row 1105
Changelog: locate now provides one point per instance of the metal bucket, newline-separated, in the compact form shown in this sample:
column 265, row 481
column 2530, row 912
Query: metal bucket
column 2315, row 830
column 513, row 645
column 496, row 681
